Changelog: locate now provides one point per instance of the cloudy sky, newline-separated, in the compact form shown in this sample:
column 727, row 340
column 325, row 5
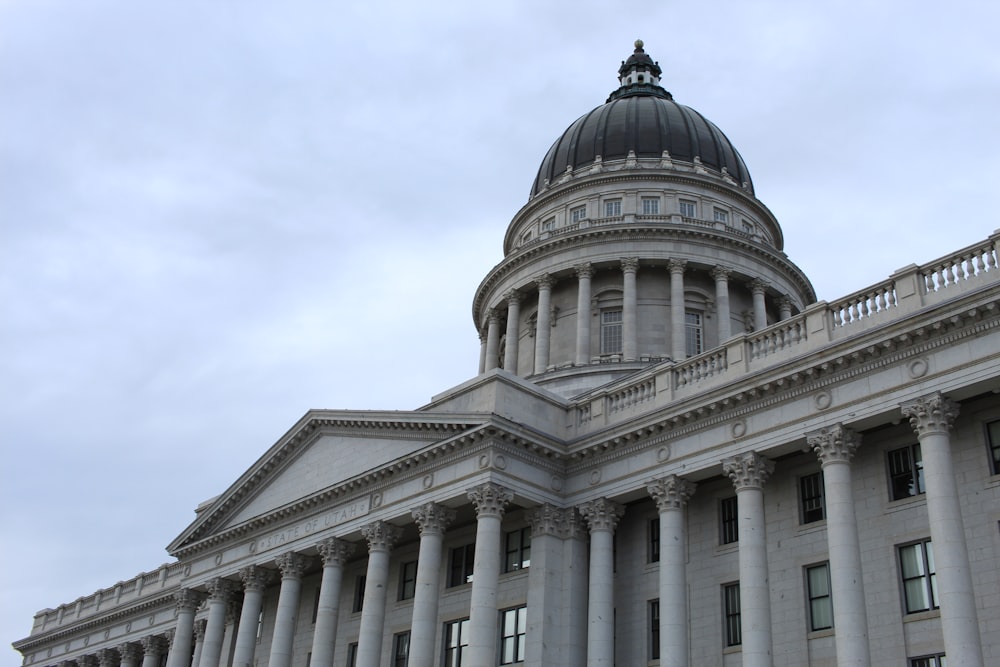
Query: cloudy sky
column 217, row 215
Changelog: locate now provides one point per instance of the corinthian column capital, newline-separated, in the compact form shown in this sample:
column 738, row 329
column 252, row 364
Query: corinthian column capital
column 834, row 444
column 758, row 285
column 153, row 645
column 546, row 520
column 332, row 550
column 720, row 273
column 108, row 657
column 255, row 578
column 199, row 629
column 432, row 518
column 931, row 414
column 130, row 652
column 219, row 589
column 602, row 514
column 187, row 599
column 676, row 265
column 545, row 281
column 748, row 471
column 381, row 536
column 292, row 565
column 512, row 296
column 87, row 661
column 585, row 270
column 490, row 499
column 671, row 492
column 493, row 315
column 630, row 264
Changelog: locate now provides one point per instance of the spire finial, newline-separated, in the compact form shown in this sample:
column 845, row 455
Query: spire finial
column 638, row 45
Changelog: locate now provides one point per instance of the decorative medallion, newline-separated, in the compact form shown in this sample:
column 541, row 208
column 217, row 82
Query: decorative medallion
column 500, row 462
column 663, row 453
column 107, row 633
column 152, row 619
column 556, row 483
column 218, row 558
column 917, row 368
column 253, row 547
column 823, row 400
column 128, row 627
column 484, row 461
column 428, row 481
column 187, row 570
column 595, row 477
column 376, row 500
column 739, row 429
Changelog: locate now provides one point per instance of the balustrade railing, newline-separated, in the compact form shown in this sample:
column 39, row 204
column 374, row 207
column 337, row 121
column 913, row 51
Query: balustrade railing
column 777, row 337
column 863, row 304
column 958, row 267
column 700, row 367
column 634, row 394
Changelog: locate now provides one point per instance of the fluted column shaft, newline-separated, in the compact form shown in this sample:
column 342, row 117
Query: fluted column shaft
column 254, row 581
column 932, row 417
column 758, row 288
column 678, row 342
column 723, row 314
column 602, row 517
column 584, row 273
column 220, row 591
column 835, row 446
column 180, row 648
column 381, row 537
column 513, row 317
column 490, row 500
column 432, row 520
column 543, row 324
column 748, row 473
column 630, row 308
column 671, row 495
column 334, row 553
column 493, row 341
column 292, row 566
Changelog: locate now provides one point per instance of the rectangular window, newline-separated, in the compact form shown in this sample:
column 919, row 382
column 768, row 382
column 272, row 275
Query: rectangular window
column 359, row 593
column 747, row 226
column 260, row 623
column 729, row 527
column 654, row 629
column 687, row 209
column 812, row 505
column 693, row 344
column 906, row 472
column 513, row 627
column 929, row 661
column 352, row 655
column 611, row 332
column 731, row 611
column 612, row 208
column 526, row 237
column 456, row 642
column 316, row 606
column 548, row 225
column 653, row 551
column 517, row 550
column 993, row 437
column 916, row 567
column 720, row 216
column 820, row 600
column 400, row 649
column 650, row 206
column 462, row 560
column 577, row 214
column 407, row 580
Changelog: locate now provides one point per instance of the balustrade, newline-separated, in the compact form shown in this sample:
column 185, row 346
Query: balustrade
column 958, row 267
column 864, row 304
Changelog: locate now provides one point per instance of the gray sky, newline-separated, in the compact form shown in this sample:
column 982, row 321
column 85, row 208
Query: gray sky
column 215, row 216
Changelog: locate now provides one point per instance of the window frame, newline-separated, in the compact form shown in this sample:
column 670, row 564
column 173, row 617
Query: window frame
column 407, row 580
column 687, row 208
column 926, row 579
column 612, row 331
column 650, row 205
column 653, row 615
column 912, row 476
column 729, row 524
column 612, row 208
column 359, row 593
column 467, row 555
column 513, row 641
column 815, row 494
column 992, row 429
column 720, row 215
column 454, row 650
column 517, row 556
column 821, row 600
column 653, row 540
column 548, row 224
column 933, row 660
column 401, row 649
column 694, row 333
column 352, row 654
column 578, row 213
column 732, row 622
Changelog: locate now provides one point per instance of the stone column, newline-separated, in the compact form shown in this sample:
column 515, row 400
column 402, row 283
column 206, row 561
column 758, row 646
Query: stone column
column 749, row 472
column 153, row 647
column 575, row 577
column 678, row 341
column 835, row 447
column 493, row 340
column 758, row 288
column 784, row 308
column 722, row 312
column 543, row 323
column 381, row 537
column 630, row 307
column 219, row 593
column 545, row 589
column 108, row 657
column 255, row 580
column 671, row 495
column 180, row 649
column 513, row 316
column 602, row 517
column 130, row 654
column 932, row 418
column 334, row 553
column 482, row 351
column 292, row 566
column 490, row 501
column 199, row 641
column 433, row 520
column 87, row 661
column 584, row 272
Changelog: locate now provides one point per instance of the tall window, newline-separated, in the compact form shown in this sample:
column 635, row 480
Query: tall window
column 513, row 627
column 611, row 332
column 906, row 472
column 462, row 560
column 359, row 593
column 731, row 614
column 820, row 600
column 650, row 206
column 812, row 505
column 577, row 214
column 654, row 629
column 653, row 551
column 352, row 654
column 548, row 225
column 993, row 436
column 612, row 208
column 400, row 649
column 687, row 209
column 937, row 660
column 693, row 344
column 316, row 606
column 729, row 527
column 720, row 216
column 456, row 642
column 407, row 580
column 517, row 550
column 916, row 566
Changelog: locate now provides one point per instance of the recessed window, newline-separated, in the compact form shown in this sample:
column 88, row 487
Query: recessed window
column 650, row 206
column 400, row 649
column 729, row 528
column 653, row 550
column 548, row 225
column 352, row 654
column 731, row 615
column 906, row 472
column 693, row 341
column 612, row 208
column 456, row 642
column 687, row 208
column 577, row 214
column 747, row 226
column 916, row 567
column 316, row 606
column 517, row 550
column 812, row 506
column 820, row 600
column 462, row 561
column 260, row 623
column 654, row 629
column 526, row 237
column 720, row 216
column 513, row 627
column 407, row 580
column 611, row 332
column 937, row 660
column 993, row 437
column 359, row 593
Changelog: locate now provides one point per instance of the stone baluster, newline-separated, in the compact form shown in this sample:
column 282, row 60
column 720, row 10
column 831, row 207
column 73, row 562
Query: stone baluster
column 334, row 554
column 678, row 340
column 153, row 647
column 381, row 537
column 835, row 447
column 200, row 625
column 722, row 313
column 490, row 501
column 513, row 298
column 932, row 418
column 180, row 649
column 255, row 580
column 493, row 339
column 220, row 591
column 130, row 654
column 758, row 288
column 602, row 517
column 671, row 495
column 432, row 520
column 543, row 323
column 584, row 272
column 630, row 308
column 748, row 473
column 292, row 566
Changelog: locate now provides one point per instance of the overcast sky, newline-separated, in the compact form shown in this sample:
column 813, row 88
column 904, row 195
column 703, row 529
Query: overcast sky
column 215, row 216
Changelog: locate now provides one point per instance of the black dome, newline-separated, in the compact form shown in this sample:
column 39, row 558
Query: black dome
column 641, row 117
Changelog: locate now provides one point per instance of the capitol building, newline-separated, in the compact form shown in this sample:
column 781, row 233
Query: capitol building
column 671, row 454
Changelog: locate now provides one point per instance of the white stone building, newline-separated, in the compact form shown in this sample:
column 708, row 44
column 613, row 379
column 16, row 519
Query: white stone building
column 672, row 454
